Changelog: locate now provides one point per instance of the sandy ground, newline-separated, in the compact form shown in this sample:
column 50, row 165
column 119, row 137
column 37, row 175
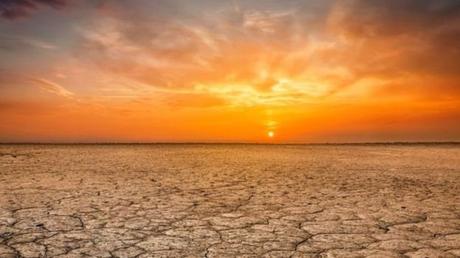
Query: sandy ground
column 229, row 201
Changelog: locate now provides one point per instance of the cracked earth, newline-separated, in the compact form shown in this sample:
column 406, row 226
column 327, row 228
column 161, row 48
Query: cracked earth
column 229, row 201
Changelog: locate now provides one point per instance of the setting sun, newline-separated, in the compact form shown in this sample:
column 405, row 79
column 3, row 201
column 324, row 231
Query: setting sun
column 271, row 134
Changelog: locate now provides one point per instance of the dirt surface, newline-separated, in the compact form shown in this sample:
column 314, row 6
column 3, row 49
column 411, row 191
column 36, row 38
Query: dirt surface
column 229, row 201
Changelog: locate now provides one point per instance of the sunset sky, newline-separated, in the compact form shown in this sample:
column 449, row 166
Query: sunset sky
column 229, row 71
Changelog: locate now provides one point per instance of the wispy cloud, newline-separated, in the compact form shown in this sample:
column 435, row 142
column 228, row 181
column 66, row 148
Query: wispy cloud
column 267, row 22
column 53, row 88
column 18, row 42
column 14, row 9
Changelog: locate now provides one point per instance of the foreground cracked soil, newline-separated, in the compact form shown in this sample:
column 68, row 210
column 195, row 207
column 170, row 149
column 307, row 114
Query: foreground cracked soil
column 229, row 201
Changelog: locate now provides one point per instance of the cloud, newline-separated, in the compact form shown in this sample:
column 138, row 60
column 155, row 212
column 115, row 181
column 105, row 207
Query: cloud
column 249, row 50
column 239, row 49
column 409, row 36
column 54, row 88
column 266, row 22
column 14, row 9
column 193, row 100
column 245, row 52
column 19, row 43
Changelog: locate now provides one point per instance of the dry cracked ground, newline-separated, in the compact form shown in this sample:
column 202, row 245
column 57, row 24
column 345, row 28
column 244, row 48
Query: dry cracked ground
column 229, row 201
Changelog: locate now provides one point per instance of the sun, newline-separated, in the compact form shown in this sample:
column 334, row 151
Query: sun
column 271, row 134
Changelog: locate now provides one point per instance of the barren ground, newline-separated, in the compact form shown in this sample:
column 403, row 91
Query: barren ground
column 229, row 201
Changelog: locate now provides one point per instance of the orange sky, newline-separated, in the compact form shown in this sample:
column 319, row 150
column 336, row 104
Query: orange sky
column 229, row 71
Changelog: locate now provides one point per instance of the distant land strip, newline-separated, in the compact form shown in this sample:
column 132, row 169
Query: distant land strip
column 236, row 143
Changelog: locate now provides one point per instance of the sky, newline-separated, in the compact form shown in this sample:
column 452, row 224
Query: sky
column 273, row 71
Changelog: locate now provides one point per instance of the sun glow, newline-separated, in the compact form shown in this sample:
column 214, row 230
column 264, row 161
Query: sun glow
column 271, row 134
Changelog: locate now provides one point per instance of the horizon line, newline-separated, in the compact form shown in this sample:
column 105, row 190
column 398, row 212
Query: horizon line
column 234, row 143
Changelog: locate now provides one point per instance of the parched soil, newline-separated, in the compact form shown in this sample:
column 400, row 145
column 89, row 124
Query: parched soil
column 229, row 201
